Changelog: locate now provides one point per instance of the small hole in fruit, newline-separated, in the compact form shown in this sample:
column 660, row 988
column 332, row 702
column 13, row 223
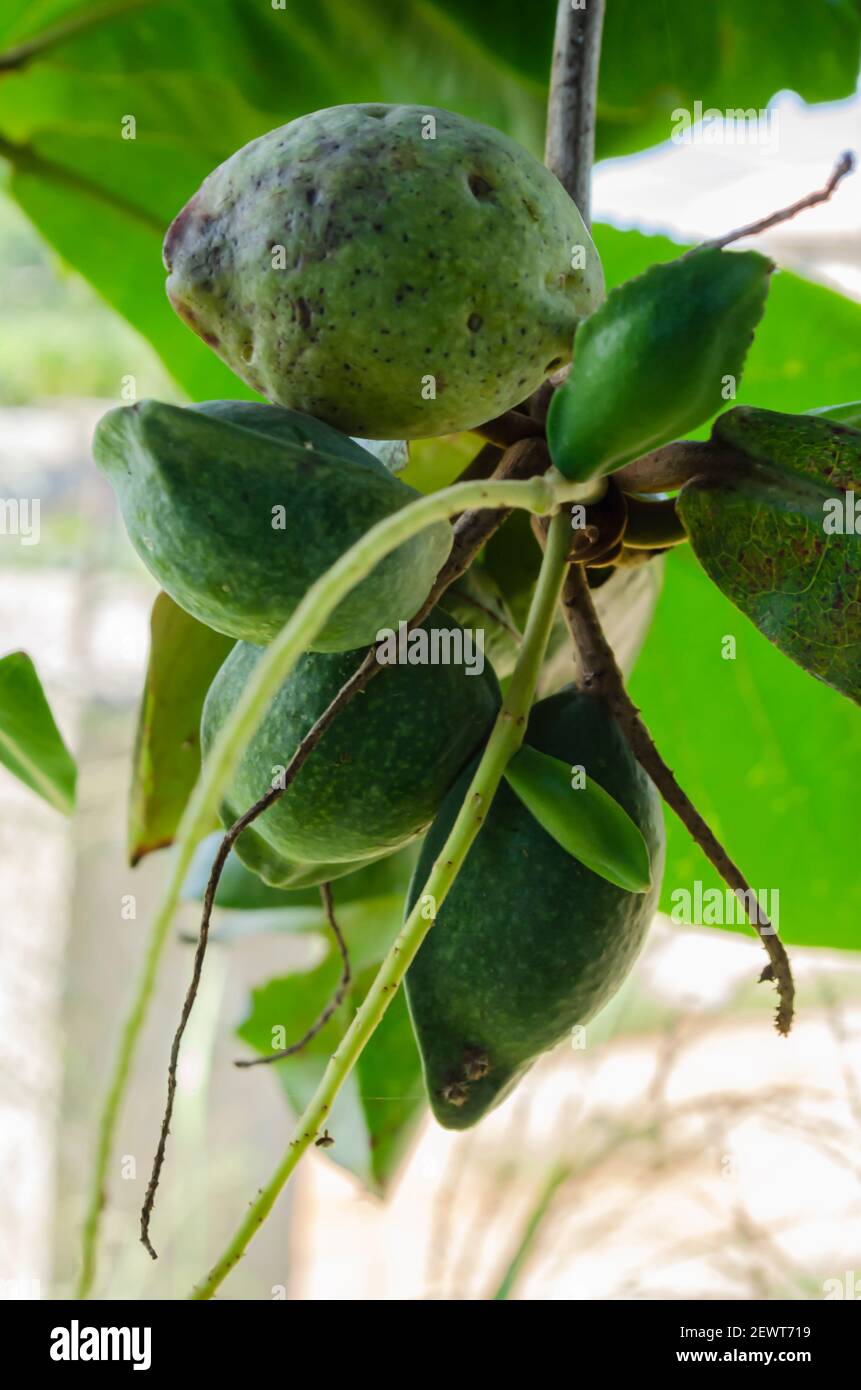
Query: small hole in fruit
column 479, row 187
column 376, row 113
column 554, row 365
column 247, row 351
column 474, row 322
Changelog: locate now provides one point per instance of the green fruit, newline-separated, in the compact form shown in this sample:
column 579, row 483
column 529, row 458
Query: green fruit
column 238, row 508
column 378, row 775
column 528, row 943
column 339, row 262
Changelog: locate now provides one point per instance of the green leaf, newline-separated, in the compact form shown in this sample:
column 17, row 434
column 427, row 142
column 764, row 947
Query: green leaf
column 653, row 362
column 847, row 414
column 768, row 756
column 382, row 1101
column 808, row 345
column 184, row 657
column 31, row 745
column 586, row 821
column 779, row 539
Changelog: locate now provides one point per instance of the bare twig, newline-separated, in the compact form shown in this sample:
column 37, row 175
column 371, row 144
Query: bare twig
column 600, row 675
column 337, row 998
column 570, row 142
column 844, row 166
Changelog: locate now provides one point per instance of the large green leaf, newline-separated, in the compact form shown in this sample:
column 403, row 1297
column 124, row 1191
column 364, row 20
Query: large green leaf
column 654, row 361
column 771, row 758
column 183, row 659
column 31, row 745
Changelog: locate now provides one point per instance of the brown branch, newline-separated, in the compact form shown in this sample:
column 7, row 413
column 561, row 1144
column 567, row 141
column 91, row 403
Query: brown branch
column 338, row 997
column 600, row 675
column 523, row 460
column 508, row 428
column 844, row 166
column 673, row 465
column 569, row 149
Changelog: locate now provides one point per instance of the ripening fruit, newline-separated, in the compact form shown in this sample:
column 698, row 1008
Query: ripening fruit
column 396, row 271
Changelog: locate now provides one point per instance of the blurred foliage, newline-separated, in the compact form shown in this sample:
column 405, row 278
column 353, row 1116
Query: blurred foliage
column 58, row 338
column 31, row 745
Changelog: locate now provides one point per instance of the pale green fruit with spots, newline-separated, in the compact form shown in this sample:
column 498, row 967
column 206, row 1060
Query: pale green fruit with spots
column 396, row 271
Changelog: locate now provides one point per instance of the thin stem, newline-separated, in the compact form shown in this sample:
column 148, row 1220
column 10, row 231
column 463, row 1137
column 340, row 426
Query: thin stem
column 534, row 1221
column 570, row 143
column 505, row 739
column 538, row 495
column 600, row 675
column 337, row 998
column 844, row 166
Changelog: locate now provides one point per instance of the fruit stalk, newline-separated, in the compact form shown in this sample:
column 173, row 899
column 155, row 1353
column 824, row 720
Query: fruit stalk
column 538, row 495
column 505, row 739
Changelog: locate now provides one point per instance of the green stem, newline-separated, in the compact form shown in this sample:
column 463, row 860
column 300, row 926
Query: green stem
column 506, row 737
column 537, row 495
column 534, row 1222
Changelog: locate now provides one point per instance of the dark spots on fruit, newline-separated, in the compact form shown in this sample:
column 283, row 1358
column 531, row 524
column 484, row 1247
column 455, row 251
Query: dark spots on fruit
column 302, row 312
column 310, row 196
column 476, row 1064
column 402, row 291
column 455, row 1093
column 376, row 113
column 211, row 338
column 479, row 187
column 474, row 322
column 554, row 364
column 530, row 208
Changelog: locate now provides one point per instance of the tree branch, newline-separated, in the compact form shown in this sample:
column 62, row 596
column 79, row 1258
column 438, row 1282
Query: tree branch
column 569, row 149
column 600, row 675
column 673, row 465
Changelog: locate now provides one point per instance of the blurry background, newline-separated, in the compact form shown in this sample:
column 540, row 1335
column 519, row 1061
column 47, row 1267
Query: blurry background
column 680, row 1148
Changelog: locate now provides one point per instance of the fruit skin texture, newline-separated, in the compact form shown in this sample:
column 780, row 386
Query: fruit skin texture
column 403, row 257
column 528, row 943
column 377, row 777
column 198, row 489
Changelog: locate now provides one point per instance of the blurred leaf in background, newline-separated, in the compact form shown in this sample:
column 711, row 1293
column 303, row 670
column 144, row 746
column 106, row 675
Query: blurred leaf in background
column 31, row 745
column 768, row 755
column 184, row 656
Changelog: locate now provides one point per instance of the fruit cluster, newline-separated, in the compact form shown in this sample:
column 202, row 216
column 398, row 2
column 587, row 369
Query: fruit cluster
column 388, row 273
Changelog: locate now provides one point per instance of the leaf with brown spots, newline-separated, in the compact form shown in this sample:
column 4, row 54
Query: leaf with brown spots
column 782, row 538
